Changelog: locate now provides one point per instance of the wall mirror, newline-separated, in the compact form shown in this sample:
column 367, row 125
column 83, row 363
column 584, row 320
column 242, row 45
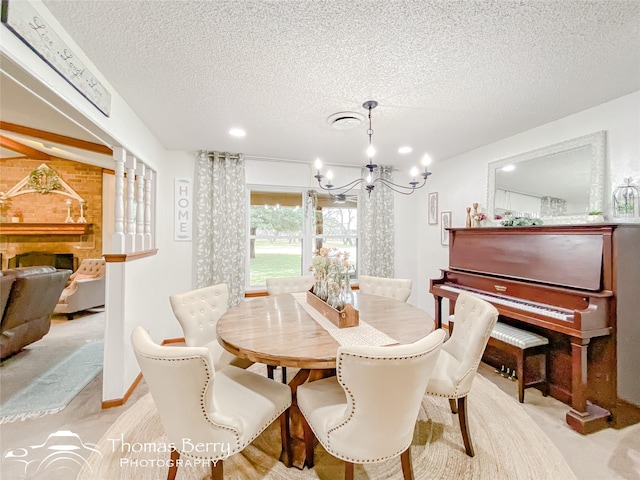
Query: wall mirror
column 560, row 183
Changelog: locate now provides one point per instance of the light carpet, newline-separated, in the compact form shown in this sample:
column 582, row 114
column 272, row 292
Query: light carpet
column 508, row 445
column 53, row 390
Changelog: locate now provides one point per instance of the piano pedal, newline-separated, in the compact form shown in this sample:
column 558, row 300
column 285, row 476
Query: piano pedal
column 513, row 375
column 506, row 373
column 499, row 370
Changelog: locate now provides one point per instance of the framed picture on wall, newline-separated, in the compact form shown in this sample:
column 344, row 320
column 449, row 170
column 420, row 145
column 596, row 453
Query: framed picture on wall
column 445, row 222
column 433, row 208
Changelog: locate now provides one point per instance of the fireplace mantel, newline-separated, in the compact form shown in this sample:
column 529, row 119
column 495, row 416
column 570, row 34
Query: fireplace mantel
column 23, row 228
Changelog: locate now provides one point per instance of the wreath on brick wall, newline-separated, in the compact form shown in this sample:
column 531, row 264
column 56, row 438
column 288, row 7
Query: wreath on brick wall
column 44, row 180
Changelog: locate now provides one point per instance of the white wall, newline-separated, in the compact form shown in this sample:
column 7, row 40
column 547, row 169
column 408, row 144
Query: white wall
column 462, row 180
column 137, row 291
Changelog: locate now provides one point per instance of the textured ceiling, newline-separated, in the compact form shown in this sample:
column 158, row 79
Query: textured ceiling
column 449, row 75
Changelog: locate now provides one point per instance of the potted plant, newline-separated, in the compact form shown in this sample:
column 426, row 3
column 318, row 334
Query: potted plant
column 16, row 215
column 595, row 216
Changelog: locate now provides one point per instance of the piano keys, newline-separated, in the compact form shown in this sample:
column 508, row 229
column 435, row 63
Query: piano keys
column 578, row 286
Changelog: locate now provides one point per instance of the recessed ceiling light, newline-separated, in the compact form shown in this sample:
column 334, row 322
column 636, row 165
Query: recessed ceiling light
column 405, row 150
column 237, row 132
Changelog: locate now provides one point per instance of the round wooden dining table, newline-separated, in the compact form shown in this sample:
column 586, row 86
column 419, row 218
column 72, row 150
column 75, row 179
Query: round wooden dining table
column 277, row 330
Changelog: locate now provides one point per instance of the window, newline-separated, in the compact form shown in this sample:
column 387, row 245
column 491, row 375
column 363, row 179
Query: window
column 286, row 228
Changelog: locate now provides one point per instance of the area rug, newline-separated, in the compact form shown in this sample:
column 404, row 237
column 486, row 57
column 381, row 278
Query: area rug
column 54, row 389
column 508, row 445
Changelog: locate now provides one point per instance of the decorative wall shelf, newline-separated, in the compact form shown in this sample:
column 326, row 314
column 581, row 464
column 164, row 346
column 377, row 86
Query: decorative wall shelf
column 22, row 228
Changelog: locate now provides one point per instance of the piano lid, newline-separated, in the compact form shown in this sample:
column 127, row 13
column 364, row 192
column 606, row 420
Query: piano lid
column 568, row 257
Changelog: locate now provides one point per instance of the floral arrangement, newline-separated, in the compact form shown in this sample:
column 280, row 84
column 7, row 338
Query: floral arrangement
column 479, row 217
column 497, row 217
column 521, row 222
column 331, row 269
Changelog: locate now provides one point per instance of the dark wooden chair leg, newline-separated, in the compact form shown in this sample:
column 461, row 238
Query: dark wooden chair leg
column 284, row 375
column 173, row 466
column 270, row 369
column 309, row 443
column 285, row 435
column 452, row 404
column 348, row 471
column 464, row 425
column 217, row 470
column 407, row 466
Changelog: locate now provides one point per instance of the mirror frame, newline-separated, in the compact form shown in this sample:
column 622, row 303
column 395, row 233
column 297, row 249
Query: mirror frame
column 597, row 142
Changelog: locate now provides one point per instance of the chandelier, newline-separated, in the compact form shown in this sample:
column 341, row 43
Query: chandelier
column 373, row 176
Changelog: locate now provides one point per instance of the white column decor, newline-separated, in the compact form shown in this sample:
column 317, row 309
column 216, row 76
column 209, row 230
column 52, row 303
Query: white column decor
column 147, row 209
column 130, row 219
column 139, row 244
column 117, row 242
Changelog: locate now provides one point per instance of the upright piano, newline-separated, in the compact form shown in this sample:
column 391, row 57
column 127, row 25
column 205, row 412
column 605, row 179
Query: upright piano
column 578, row 285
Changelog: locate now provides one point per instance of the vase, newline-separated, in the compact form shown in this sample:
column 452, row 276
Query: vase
column 477, row 223
column 595, row 218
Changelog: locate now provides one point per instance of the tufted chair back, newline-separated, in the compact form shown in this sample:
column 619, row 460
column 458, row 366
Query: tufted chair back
column 94, row 267
column 398, row 288
column 368, row 412
column 198, row 312
column 461, row 355
column 276, row 286
column 223, row 410
column 474, row 321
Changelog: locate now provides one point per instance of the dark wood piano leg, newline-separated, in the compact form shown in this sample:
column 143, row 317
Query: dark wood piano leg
column 584, row 417
column 438, row 311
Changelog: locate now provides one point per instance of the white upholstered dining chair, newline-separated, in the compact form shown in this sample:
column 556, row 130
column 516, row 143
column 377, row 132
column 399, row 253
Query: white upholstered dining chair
column 457, row 365
column 229, row 407
column 276, row 286
column 367, row 413
column 398, row 288
column 198, row 312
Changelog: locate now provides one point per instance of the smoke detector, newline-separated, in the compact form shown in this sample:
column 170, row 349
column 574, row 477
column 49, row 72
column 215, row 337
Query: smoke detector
column 345, row 120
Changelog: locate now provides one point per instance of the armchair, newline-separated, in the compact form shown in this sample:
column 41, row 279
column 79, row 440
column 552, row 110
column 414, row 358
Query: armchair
column 461, row 354
column 387, row 386
column 398, row 288
column 224, row 410
column 30, row 294
column 198, row 312
column 86, row 288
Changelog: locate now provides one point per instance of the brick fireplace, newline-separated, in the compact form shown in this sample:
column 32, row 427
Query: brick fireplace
column 42, row 228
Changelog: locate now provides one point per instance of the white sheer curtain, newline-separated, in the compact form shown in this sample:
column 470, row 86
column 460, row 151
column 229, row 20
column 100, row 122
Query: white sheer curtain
column 377, row 249
column 220, row 222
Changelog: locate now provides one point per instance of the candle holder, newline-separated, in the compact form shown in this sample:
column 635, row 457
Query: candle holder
column 82, row 219
column 69, row 219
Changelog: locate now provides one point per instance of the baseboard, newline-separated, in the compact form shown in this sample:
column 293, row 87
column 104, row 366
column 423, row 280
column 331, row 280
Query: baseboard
column 117, row 402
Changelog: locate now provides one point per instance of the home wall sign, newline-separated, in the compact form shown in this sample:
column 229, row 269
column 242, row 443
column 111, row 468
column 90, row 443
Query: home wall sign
column 24, row 21
column 183, row 208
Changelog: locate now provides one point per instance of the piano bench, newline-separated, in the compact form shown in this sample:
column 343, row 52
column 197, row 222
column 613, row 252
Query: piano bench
column 522, row 345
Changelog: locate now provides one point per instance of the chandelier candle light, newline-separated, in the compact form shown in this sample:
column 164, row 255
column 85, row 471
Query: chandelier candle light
column 374, row 178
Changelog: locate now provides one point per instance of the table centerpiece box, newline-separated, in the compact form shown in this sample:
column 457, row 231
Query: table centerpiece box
column 348, row 317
